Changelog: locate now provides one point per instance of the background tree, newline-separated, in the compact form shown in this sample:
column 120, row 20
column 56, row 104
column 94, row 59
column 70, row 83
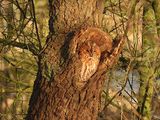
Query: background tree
column 147, row 69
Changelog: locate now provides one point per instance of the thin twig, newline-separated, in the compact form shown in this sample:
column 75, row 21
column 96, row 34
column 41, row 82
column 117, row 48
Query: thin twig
column 126, row 78
column 29, row 47
column 114, row 17
column 35, row 22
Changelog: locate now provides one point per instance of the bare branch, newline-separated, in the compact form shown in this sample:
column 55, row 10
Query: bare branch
column 29, row 47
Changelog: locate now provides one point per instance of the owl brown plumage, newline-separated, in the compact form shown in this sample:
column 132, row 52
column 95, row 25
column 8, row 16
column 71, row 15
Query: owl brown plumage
column 86, row 49
column 88, row 57
column 102, row 39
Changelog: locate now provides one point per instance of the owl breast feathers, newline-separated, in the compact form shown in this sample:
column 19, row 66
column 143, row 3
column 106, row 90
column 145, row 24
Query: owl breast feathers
column 89, row 57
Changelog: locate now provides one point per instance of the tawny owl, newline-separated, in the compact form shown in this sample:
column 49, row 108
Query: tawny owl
column 89, row 57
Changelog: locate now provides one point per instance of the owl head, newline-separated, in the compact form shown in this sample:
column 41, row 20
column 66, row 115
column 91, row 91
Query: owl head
column 88, row 50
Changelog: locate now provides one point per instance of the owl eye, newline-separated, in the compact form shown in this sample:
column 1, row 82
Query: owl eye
column 88, row 50
column 94, row 44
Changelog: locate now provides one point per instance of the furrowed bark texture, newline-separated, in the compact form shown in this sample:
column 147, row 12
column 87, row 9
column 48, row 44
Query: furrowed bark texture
column 58, row 94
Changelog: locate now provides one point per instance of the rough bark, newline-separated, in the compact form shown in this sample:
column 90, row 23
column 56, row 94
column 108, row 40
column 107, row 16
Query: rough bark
column 56, row 96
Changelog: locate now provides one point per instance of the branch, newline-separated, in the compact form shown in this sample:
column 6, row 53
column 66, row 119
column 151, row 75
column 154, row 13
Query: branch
column 110, row 59
column 123, row 87
column 29, row 47
column 35, row 22
column 130, row 14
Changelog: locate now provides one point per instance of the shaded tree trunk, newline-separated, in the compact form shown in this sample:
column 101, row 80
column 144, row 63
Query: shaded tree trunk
column 57, row 94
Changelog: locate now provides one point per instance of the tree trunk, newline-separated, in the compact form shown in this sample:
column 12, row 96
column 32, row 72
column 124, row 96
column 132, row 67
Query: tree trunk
column 60, row 90
column 156, row 7
column 148, row 61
